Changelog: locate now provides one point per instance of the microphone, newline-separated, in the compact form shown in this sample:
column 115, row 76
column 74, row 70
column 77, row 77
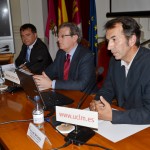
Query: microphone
column 89, row 89
column 6, row 46
column 28, row 64
column 82, row 134
column 4, row 50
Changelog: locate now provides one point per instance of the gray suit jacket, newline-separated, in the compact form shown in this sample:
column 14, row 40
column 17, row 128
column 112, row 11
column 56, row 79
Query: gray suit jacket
column 132, row 92
column 82, row 70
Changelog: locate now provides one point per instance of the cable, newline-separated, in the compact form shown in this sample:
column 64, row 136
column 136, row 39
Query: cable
column 69, row 142
column 51, row 112
column 63, row 146
column 13, row 121
column 97, row 145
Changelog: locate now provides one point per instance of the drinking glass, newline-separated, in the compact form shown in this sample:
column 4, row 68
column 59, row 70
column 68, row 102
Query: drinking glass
column 3, row 87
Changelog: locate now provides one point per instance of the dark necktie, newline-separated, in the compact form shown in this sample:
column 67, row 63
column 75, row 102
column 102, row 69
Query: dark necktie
column 66, row 67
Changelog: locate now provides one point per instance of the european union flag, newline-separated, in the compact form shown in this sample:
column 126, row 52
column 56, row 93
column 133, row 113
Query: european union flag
column 93, row 37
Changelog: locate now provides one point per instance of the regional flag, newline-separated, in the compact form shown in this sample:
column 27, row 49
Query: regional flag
column 93, row 37
column 76, row 17
column 62, row 13
column 51, row 29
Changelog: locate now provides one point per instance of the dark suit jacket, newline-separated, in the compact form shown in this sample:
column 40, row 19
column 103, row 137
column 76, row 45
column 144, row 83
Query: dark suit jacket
column 39, row 57
column 132, row 92
column 82, row 70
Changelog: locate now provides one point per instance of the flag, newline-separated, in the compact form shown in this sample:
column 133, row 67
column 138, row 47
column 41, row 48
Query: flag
column 76, row 18
column 51, row 29
column 93, row 37
column 62, row 13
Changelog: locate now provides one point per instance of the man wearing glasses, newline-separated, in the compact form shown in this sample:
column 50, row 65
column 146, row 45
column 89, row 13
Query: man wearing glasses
column 73, row 67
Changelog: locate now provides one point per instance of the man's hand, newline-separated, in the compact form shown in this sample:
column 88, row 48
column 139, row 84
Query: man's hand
column 24, row 67
column 103, row 108
column 43, row 81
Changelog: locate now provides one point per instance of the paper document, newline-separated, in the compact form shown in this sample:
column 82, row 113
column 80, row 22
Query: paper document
column 8, row 67
column 117, row 132
column 9, row 73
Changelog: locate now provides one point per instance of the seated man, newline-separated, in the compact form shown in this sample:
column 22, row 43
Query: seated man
column 34, row 54
column 73, row 67
column 128, row 78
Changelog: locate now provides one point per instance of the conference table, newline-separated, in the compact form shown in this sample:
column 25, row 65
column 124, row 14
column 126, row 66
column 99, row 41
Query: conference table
column 13, row 136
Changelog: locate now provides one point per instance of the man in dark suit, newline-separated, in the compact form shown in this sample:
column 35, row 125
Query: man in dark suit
column 34, row 54
column 81, row 68
column 128, row 78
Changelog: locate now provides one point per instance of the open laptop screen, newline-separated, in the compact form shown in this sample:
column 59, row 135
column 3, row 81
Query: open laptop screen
column 49, row 98
column 28, row 84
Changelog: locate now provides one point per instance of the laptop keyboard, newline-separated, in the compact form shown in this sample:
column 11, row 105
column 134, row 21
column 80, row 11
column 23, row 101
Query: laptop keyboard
column 52, row 98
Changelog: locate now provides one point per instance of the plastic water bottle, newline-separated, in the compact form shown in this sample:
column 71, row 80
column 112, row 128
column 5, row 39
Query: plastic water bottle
column 38, row 113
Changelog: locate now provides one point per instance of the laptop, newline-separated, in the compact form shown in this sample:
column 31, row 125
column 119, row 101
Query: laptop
column 49, row 98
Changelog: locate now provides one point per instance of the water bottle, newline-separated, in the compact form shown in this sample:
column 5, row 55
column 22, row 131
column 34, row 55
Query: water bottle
column 38, row 113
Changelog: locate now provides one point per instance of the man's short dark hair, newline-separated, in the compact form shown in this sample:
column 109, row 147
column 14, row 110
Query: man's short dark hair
column 28, row 26
column 129, row 25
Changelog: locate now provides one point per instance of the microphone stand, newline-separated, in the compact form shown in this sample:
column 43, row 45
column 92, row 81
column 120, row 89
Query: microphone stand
column 82, row 134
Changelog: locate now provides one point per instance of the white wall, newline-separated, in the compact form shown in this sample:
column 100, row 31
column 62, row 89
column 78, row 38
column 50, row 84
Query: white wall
column 102, row 7
column 16, row 22
column 130, row 5
column 28, row 11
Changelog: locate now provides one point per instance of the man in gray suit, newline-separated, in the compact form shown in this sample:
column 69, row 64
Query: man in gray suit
column 128, row 78
column 81, row 71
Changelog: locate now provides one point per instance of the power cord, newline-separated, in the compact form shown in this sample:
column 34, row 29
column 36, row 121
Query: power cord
column 69, row 141
column 13, row 121
column 63, row 146
column 97, row 145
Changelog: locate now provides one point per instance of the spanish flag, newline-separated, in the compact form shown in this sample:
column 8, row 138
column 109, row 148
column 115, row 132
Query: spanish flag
column 62, row 13
column 51, row 29
column 76, row 17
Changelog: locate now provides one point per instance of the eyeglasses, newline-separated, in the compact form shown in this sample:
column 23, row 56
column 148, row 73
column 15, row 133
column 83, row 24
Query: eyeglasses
column 63, row 36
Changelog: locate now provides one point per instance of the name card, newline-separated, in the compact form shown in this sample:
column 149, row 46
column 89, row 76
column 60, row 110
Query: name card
column 76, row 116
column 36, row 135
column 11, row 76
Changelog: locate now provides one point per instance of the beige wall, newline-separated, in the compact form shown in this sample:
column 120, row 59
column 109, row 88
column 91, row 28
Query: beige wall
column 16, row 22
column 28, row 11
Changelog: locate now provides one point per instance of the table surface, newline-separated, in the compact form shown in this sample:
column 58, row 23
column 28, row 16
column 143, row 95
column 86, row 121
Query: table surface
column 13, row 136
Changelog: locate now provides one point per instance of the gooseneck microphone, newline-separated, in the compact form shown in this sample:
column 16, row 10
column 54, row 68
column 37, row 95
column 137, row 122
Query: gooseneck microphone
column 82, row 134
column 89, row 89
